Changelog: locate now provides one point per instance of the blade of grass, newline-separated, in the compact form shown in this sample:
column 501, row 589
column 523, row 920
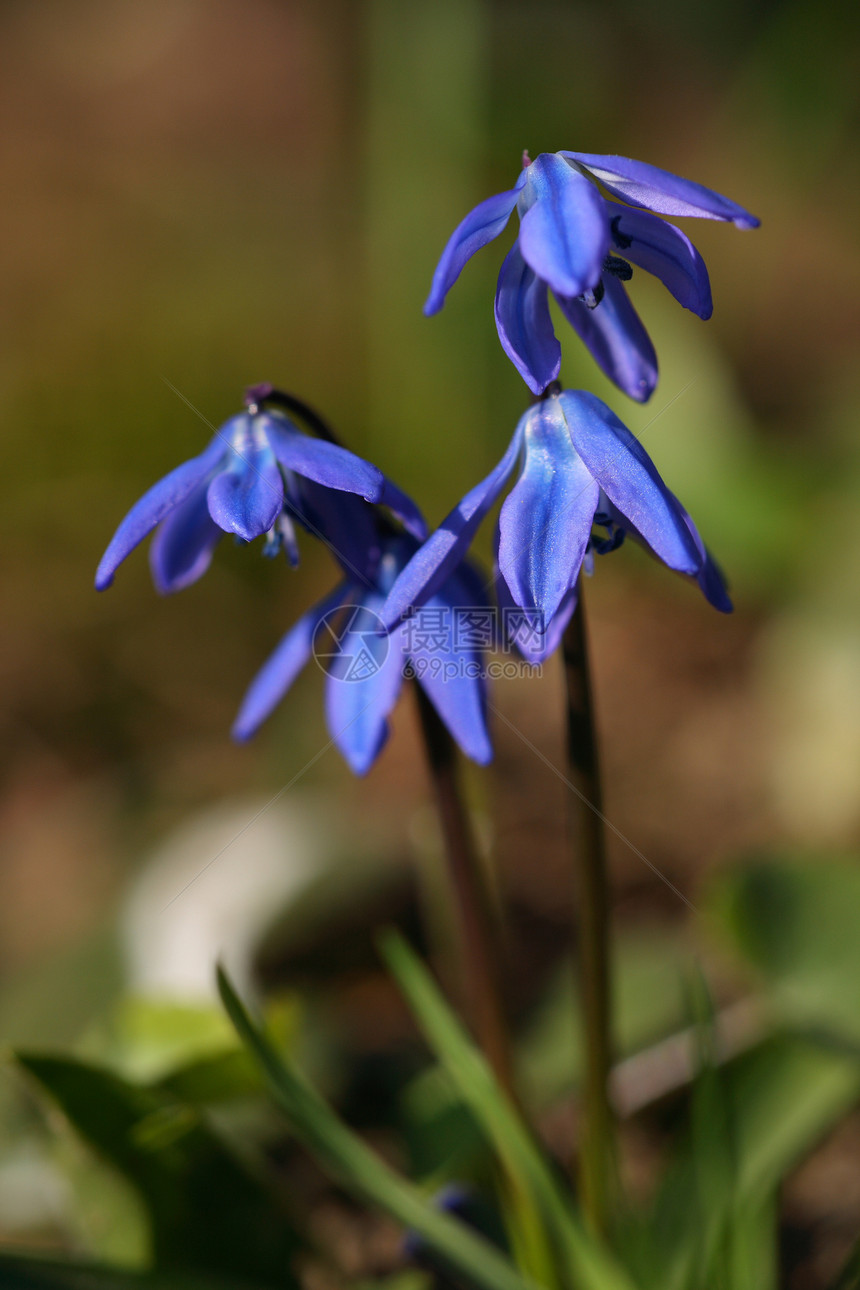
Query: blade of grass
column 359, row 1169
column 587, row 1265
column 754, row 1245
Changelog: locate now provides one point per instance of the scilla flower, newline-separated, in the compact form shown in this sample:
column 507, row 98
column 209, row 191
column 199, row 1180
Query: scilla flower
column 580, row 245
column 365, row 668
column 258, row 475
column 581, row 467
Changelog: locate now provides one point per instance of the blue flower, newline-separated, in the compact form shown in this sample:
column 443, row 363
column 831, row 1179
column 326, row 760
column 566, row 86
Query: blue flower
column 365, row 667
column 580, row 245
column 581, row 467
column 258, row 475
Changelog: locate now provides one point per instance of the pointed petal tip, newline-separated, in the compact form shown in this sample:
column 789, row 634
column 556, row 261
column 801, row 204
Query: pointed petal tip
column 537, row 387
column 537, row 657
column 464, row 717
column 374, row 490
column 713, row 587
column 243, row 531
column 361, row 756
column 325, row 463
column 475, row 742
column 359, row 764
column 164, row 588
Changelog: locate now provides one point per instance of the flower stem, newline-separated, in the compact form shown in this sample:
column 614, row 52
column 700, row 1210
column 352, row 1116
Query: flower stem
column 266, row 393
column 477, row 928
column 596, row 1158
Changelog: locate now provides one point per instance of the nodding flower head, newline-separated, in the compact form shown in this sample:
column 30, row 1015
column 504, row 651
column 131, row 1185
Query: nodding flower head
column 258, row 477
column 580, row 245
column 581, row 469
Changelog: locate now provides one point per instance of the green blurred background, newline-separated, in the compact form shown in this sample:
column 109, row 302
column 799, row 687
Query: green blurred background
column 204, row 195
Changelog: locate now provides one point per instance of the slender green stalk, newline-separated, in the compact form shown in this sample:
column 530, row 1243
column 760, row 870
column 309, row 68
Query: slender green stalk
column 476, row 924
column 596, row 1157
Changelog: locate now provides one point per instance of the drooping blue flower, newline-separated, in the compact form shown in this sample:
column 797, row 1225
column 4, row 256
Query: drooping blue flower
column 259, row 474
column 581, row 468
column 580, row 245
column 365, row 668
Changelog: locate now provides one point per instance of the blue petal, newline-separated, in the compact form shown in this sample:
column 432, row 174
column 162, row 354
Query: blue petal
column 360, row 694
column 709, row 577
column 479, row 227
column 665, row 251
column 559, row 621
column 524, row 324
column 247, row 497
column 618, row 341
column 282, row 667
column 326, row 463
column 345, row 523
column 535, row 642
column 713, row 585
column 658, row 190
column 181, row 550
column 169, row 492
column 708, row 574
column 453, row 679
column 546, row 520
column 628, row 476
column 404, row 508
column 445, row 548
column 564, row 235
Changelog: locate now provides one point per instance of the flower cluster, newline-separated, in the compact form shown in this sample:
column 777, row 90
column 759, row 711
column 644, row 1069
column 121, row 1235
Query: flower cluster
column 584, row 481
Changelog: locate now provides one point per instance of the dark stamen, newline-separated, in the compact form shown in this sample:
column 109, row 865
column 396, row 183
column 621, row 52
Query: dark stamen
column 617, row 268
